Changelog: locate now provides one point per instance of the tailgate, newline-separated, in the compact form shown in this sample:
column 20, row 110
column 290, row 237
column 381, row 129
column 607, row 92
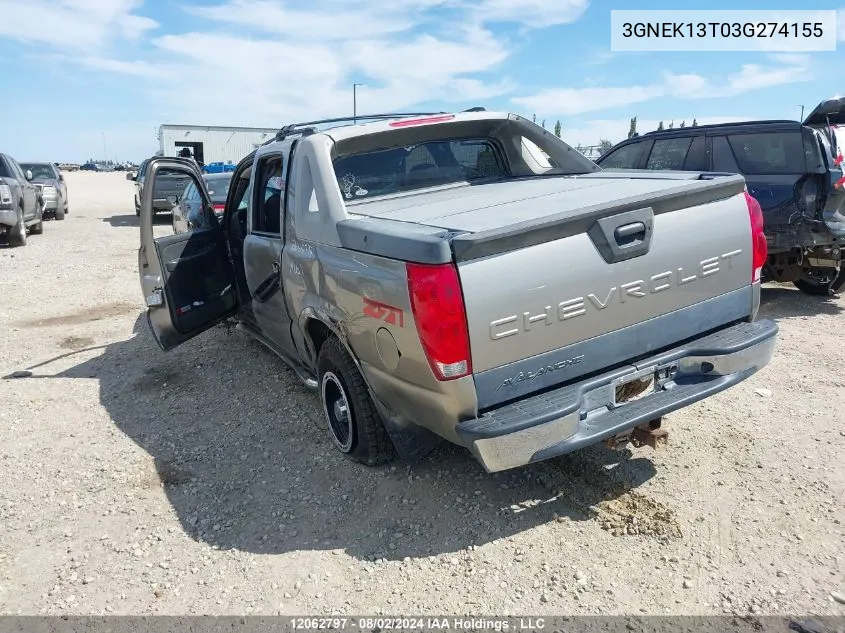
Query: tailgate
column 167, row 185
column 601, row 284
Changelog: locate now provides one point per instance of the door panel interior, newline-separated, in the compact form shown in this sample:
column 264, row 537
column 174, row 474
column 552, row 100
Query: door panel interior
column 198, row 279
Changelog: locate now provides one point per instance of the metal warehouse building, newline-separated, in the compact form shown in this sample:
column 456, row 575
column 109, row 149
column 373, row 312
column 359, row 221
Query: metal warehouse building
column 210, row 144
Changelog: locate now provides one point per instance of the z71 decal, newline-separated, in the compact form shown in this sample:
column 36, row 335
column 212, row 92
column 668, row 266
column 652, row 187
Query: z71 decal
column 384, row 312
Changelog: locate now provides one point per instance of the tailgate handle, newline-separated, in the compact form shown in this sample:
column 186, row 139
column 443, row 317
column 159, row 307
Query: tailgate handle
column 629, row 233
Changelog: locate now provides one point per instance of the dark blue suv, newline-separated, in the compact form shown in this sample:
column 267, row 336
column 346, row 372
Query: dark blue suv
column 793, row 169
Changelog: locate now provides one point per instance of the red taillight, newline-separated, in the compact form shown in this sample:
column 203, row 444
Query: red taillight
column 430, row 119
column 438, row 307
column 759, row 248
column 219, row 207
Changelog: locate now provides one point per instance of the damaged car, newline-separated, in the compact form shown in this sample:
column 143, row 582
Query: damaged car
column 794, row 169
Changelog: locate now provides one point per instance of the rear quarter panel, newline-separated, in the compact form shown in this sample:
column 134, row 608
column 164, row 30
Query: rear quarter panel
column 365, row 300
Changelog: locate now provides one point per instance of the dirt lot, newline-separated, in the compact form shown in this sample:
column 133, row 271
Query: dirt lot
column 201, row 481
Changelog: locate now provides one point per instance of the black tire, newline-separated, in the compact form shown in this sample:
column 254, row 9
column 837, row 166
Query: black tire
column 37, row 229
column 819, row 286
column 138, row 211
column 17, row 234
column 60, row 213
column 360, row 435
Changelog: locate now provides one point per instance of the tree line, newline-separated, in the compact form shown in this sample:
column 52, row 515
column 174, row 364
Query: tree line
column 606, row 144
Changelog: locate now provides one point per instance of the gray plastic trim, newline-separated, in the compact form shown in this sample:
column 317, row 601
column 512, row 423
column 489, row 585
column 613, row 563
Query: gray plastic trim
column 396, row 240
column 624, row 235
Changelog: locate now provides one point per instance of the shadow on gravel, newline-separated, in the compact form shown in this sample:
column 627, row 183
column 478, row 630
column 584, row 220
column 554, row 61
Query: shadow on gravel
column 787, row 302
column 132, row 220
column 240, row 450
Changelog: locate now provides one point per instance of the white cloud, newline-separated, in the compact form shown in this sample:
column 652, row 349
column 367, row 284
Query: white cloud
column 333, row 21
column 350, row 19
column 73, row 24
column 533, row 13
column 570, row 101
column 269, row 61
column 840, row 24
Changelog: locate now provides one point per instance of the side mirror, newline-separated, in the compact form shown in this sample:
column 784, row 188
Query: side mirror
column 62, row 177
column 172, row 199
column 28, row 174
column 130, row 176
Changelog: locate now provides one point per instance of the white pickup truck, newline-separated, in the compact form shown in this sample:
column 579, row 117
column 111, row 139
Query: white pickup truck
column 469, row 277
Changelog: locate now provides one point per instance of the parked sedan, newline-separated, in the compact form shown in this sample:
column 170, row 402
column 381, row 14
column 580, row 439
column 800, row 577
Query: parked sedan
column 189, row 209
column 48, row 178
column 21, row 205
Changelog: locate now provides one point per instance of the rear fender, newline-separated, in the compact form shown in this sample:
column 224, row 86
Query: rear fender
column 411, row 441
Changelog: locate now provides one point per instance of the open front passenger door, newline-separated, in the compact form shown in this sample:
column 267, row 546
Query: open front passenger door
column 187, row 278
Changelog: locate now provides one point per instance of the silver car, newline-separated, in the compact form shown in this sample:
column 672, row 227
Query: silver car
column 51, row 182
column 469, row 277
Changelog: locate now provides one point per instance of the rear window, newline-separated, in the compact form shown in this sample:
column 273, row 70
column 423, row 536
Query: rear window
column 386, row 171
column 4, row 171
column 218, row 188
column 39, row 170
column 769, row 153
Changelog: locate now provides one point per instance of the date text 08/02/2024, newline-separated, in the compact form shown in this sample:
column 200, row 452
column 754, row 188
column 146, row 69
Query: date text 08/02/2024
column 417, row 623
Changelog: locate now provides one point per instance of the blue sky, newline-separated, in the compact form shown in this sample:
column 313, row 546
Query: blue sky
column 85, row 71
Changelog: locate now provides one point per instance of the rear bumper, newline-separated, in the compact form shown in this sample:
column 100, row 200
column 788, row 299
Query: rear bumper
column 161, row 204
column 51, row 202
column 578, row 415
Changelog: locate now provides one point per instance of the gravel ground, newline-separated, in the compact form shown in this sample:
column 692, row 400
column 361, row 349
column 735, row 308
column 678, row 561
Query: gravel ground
column 201, row 481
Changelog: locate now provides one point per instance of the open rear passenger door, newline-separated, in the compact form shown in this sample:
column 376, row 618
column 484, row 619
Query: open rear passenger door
column 187, row 278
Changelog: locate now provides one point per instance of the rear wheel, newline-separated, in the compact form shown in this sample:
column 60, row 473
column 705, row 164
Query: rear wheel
column 819, row 282
column 17, row 234
column 60, row 213
column 354, row 424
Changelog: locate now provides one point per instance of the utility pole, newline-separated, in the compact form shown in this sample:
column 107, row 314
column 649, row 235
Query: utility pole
column 355, row 101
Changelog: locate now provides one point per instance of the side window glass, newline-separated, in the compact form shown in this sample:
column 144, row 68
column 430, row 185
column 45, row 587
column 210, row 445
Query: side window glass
column 768, row 153
column 696, row 157
column 16, row 169
column 813, row 151
column 668, row 153
column 269, row 192
column 625, row 157
column 723, row 158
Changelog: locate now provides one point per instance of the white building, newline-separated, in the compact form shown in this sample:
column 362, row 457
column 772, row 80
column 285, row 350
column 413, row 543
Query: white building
column 211, row 144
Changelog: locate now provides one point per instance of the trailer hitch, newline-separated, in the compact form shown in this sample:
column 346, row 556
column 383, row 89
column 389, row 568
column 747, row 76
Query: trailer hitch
column 650, row 435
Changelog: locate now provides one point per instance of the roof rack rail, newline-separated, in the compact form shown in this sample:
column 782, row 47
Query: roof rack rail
column 306, row 127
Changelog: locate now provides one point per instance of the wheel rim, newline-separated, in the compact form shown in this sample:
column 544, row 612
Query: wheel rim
column 337, row 411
